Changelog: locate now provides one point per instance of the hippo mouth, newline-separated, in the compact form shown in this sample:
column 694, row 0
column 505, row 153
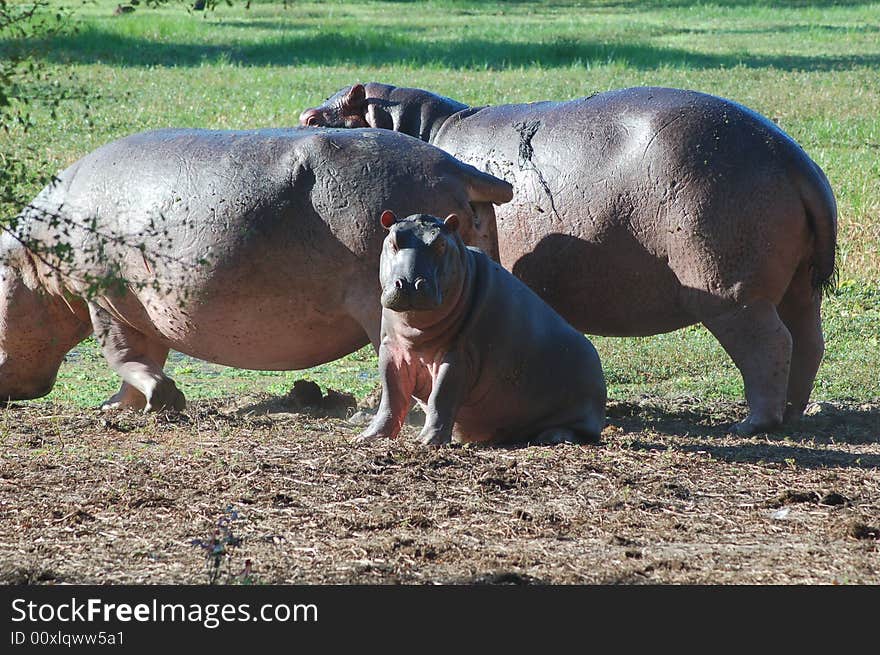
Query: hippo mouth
column 408, row 299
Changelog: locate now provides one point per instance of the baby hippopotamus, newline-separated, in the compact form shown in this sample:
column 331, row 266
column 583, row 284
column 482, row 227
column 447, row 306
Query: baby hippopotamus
column 482, row 351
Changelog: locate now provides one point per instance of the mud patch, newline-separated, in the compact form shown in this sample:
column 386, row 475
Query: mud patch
column 526, row 153
column 859, row 530
column 306, row 397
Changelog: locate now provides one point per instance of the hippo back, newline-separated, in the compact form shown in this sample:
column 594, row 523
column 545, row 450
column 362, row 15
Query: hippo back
column 262, row 232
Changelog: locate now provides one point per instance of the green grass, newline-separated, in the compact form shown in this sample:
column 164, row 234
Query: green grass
column 692, row 362
column 86, row 381
column 812, row 66
column 687, row 362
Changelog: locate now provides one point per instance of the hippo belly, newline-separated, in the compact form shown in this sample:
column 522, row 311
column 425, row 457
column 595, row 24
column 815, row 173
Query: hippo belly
column 262, row 333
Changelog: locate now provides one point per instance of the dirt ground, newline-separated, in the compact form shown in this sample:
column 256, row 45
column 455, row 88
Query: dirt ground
column 247, row 491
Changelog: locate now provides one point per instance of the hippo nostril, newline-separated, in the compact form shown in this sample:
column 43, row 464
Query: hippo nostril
column 420, row 284
column 398, row 283
column 312, row 121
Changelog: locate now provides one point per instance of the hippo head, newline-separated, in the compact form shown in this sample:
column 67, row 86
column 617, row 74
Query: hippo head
column 353, row 106
column 37, row 326
column 347, row 108
column 422, row 262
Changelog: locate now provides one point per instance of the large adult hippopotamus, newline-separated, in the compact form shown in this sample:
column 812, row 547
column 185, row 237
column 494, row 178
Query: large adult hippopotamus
column 480, row 349
column 256, row 249
column 644, row 210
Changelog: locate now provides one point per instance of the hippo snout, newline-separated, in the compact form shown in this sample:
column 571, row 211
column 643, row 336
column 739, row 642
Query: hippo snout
column 310, row 118
column 405, row 295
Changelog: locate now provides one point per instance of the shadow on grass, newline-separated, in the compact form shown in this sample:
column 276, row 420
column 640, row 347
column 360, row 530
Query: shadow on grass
column 672, row 4
column 680, row 416
column 642, row 5
column 378, row 47
column 787, row 454
column 779, row 29
column 839, row 422
column 780, row 453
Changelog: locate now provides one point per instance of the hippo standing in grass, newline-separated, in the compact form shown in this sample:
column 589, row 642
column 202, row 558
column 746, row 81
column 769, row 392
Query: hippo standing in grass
column 645, row 210
column 255, row 249
column 477, row 346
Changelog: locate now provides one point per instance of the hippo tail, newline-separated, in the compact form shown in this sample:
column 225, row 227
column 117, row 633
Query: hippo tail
column 483, row 187
column 821, row 209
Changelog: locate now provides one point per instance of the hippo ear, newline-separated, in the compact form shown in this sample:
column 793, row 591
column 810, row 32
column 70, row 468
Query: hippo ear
column 378, row 117
column 451, row 222
column 355, row 100
column 387, row 219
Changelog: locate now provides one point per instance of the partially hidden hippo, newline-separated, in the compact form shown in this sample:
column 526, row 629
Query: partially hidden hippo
column 479, row 348
column 255, row 249
column 644, row 210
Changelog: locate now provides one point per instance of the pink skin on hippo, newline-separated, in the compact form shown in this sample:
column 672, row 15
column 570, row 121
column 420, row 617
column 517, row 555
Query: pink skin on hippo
column 268, row 257
column 485, row 354
column 645, row 210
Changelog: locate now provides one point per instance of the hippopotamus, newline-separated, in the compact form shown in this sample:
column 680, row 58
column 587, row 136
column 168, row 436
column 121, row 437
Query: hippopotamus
column 640, row 211
column 255, row 249
column 479, row 348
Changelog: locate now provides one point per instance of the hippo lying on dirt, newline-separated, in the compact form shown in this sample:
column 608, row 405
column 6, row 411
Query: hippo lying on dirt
column 262, row 251
column 644, row 210
column 477, row 346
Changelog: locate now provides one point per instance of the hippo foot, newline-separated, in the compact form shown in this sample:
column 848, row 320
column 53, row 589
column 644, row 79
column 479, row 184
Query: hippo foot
column 434, row 439
column 378, row 429
column 367, row 436
column 126, row 398
column 112, row 406
column 751, row 427
column 167, row 397
column 793, row 414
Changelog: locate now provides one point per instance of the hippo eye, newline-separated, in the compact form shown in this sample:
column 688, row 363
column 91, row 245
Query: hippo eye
column 440, row 246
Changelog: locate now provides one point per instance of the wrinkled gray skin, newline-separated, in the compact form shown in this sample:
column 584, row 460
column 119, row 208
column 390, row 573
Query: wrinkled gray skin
column 286, row 219
column 479, row 348
column 644, row 210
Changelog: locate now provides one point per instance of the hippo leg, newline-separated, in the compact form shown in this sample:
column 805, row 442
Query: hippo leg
column 128, row 397
column 397, row 388
column 800, row 310
column 443, row 404
column 138, row 360
column 760, row 345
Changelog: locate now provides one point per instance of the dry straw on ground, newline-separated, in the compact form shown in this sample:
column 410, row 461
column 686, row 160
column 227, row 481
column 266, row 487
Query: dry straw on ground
column 226, row 493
